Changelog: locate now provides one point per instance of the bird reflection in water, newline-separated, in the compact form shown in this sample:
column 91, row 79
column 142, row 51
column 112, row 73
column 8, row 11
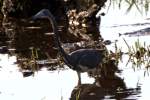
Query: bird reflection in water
column 106, row 87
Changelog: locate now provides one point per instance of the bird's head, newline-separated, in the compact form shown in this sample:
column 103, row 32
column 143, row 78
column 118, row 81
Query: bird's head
column 44, row 13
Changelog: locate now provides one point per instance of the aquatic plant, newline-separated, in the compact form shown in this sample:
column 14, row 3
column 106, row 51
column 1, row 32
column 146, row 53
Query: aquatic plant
column 138, row 55
column 141, row 5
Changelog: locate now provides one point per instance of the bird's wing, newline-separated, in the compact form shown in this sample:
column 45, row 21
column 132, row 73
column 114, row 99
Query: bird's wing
column 89, row 60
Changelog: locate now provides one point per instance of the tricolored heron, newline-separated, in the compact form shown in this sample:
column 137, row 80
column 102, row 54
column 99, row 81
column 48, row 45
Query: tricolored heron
column 82, row 60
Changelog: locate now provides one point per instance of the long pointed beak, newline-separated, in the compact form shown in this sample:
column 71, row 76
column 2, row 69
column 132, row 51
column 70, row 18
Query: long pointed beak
column 41, row 14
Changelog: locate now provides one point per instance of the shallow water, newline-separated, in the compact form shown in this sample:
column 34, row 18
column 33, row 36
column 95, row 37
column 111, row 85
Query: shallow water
column 117, row 22
column 57, row 85
column 44, row 85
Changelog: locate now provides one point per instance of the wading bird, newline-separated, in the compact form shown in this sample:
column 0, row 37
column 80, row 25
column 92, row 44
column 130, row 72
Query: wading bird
column 82, row 60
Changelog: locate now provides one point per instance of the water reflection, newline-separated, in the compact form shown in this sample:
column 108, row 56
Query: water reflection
column 62, row 84
column 110, row 86
column 93, row 92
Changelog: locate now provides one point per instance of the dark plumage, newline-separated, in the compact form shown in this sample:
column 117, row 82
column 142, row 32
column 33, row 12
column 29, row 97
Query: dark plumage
column 89, row 58
column 82, row 60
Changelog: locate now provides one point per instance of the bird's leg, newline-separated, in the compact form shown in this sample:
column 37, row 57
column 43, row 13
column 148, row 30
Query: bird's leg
column 79, row 78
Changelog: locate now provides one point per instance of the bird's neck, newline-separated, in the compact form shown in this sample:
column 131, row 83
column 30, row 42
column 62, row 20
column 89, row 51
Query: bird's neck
column 62, row 51
column 57, row 39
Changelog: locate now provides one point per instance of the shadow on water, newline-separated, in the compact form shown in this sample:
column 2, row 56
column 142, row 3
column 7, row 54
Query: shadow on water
column 93, row 92
column 107, row 86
